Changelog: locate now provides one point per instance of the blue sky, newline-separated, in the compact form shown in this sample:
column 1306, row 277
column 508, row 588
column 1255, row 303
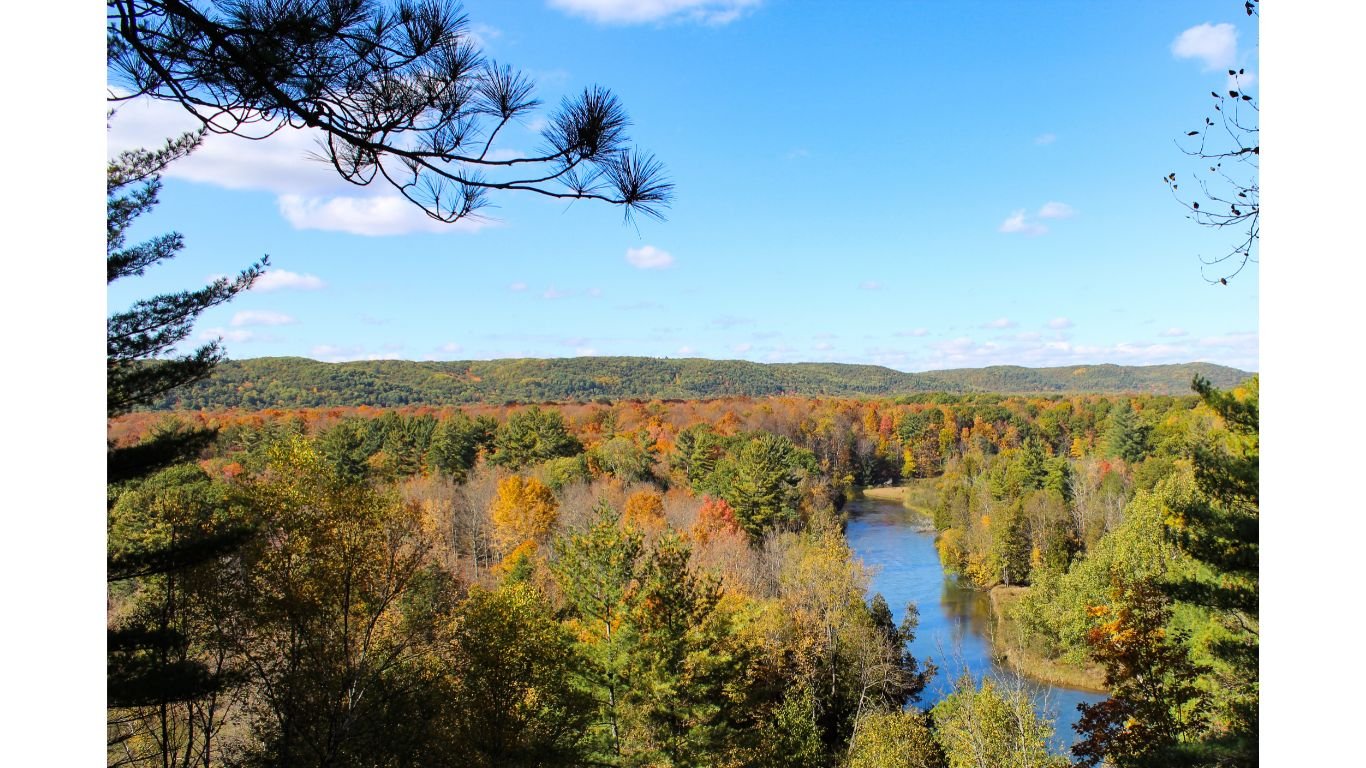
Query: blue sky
column 921, row 185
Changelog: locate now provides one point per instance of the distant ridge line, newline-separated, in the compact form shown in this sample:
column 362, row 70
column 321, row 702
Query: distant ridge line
column 296, row 382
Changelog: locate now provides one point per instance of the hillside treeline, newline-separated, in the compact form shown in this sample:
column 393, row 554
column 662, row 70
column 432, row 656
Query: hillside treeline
column 291, row 382
column 654, row 583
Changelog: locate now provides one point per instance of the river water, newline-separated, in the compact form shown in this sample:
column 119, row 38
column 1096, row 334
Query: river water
column 898, row 545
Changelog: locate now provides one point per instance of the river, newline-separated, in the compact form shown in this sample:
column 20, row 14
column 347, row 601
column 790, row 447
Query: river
column 898, row 546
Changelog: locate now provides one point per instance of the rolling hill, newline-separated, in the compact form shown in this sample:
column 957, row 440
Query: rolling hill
column 294, row 382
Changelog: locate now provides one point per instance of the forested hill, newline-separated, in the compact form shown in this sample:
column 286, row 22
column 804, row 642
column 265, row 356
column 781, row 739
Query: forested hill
column 292, row 382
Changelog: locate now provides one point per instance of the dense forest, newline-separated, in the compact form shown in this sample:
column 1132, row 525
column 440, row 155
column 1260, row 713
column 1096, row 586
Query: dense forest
column 668, row 583
column 629, row 561
column 291, row 382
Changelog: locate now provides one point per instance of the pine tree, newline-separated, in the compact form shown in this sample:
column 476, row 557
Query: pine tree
column 142, row 365
column 596, row 572
column 399, row 91
column 687, row 669
column 1220, row 528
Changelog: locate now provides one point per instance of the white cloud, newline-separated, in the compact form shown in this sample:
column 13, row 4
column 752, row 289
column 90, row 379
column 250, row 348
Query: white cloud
column 261, row 317
column 517, row 287
column 554, row 293
column 1056, row 210
column 1045, row 139
column 1060, row 323
column 823, row 346
column 687, row 351
column 1000, row 322
column 645, row 11
column 282, row 279
column 1016, row 223
column 913, row 332
column 330, row 353
column 373, row 216
column 595, row 293
column 310, row 193
column 649, row 257
column 870, row 285
column 742, row 348
column 1173, row 332
column 1020, row 222
column 1216, row 45
column 1244, row 81
column 1235, row 349
column 450, row 348
column 226, row 334
column 482, row 35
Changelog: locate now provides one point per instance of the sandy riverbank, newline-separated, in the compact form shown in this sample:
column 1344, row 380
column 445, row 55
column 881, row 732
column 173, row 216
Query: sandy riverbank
column 1029, row 663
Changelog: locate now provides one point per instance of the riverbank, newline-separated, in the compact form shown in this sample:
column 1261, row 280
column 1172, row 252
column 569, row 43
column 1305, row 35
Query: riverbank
column 895, row 493
column 917, row 494
column 1035, row 666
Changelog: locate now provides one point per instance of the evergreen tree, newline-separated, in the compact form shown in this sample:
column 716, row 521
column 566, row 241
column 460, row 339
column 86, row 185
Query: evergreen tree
column 596, row 572
column 1219, row 527
column 531, row 436
column 1128, row 437
column 140, row 339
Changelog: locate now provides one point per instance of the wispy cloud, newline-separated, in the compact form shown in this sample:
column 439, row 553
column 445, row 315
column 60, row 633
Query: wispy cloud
column 649, row 257
column 1172, row 333
column 283, row 279
column 714, row 12
column 870, row 285
column 554, row 293
column 1235, row 349
column 730, row 321
column 230, row 334
column 917, row 332
column 483, row 35
column 1016, row 223
column 1056, row 210
column 1000, row 322
column 372, row 216
column 1045, row 139
column 1021, row 222
column 517, row 287
column 261, row 317
column 330, row 353
column 1060, row 323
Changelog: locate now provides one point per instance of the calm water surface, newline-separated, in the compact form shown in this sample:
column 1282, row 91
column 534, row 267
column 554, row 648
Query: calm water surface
column 954, row 622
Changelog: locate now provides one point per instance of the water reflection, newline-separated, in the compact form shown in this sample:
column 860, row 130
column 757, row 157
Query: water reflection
column 955, row 622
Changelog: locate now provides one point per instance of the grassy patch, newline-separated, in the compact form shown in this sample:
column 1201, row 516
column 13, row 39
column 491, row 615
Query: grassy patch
column 1009, row 642
column 895, row 493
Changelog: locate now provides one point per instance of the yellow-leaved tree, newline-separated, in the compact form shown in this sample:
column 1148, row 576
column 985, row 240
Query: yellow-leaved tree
column 524, row 510
column 332, row 615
